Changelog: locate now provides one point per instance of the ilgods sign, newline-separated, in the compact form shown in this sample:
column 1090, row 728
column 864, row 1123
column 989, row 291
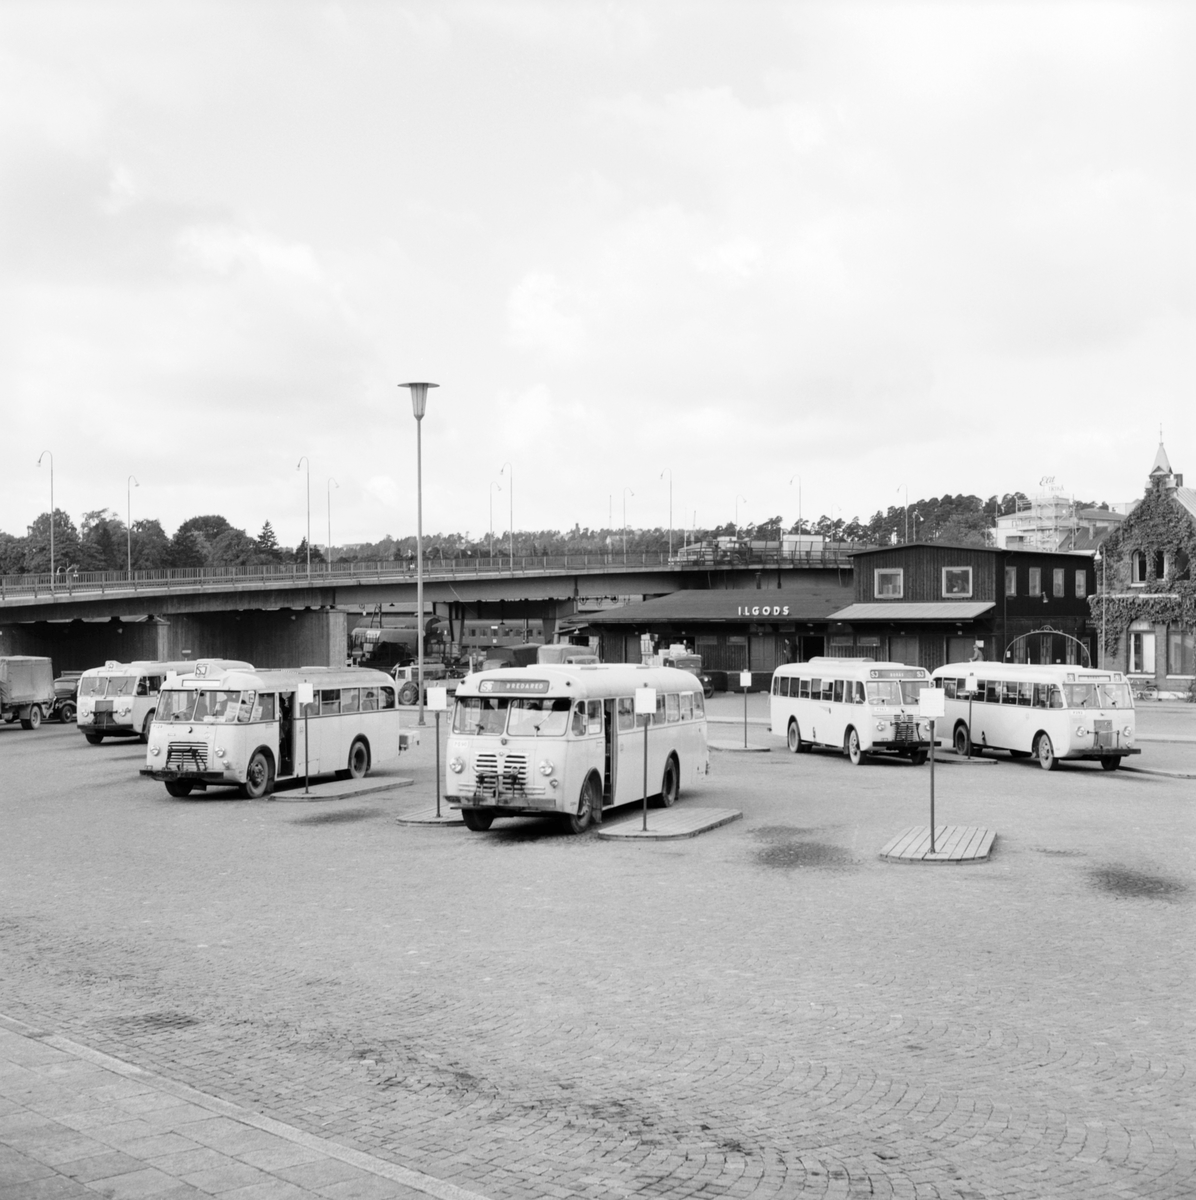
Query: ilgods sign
column 762, row 610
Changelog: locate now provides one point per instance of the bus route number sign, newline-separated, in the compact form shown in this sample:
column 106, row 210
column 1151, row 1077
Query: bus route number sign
column 511, row 686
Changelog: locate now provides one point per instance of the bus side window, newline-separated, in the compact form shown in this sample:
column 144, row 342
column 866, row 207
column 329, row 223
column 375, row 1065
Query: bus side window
column 579, row 719
column 142, row 686
column 949, row 688
column 386, row 697
column 837, row 692
column 699, row 706
column 1056, row 696
column 804, row 691
column 687, row 706
column 992, row 691
column 672, row 708
column 350, row 697
column 594, row 713
column 1024, row 691
column 828, row 689
column 330, row 701
column 815, row 689
column 658, row 715
column 859, row 692
column 369, row 699
column 1009, row 692
column 263, row 709
column 626, row 707
column 776, row 685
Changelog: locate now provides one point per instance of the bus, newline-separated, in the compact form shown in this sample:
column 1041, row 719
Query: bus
column 245, row 728
column 564, row 740
column 855, row 705
column 119, row 699
column 1048, row 711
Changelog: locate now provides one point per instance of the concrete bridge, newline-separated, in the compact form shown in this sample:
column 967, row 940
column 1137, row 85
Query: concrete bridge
column 285, row 616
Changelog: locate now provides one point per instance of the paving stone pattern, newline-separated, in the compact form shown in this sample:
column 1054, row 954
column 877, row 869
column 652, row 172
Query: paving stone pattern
column 765, row 1011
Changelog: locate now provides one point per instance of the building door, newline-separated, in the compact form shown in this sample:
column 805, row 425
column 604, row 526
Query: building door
column 959, row 649
column 904, row 650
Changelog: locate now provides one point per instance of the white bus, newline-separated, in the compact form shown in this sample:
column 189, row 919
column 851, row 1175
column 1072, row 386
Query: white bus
column 851, row 704
column 564, row 739
column 119, row 699
column 246, row 728
column 1049, row 711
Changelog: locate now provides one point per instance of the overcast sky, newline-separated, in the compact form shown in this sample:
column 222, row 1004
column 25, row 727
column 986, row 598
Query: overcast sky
column 944, row 247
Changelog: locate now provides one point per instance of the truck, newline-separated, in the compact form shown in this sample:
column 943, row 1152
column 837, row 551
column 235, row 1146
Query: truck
column 26, row 689
column 679, row 656
column 436, row 674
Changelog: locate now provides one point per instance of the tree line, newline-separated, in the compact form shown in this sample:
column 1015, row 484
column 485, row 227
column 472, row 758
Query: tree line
column 103, row 542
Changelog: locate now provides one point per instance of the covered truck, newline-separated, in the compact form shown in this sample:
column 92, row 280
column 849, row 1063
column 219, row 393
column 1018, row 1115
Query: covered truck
column 26, row 689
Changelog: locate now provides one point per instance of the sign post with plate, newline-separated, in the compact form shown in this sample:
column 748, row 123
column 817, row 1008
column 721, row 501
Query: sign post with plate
column 932, row 705
column 645, row 708
column 438, row 703
column 745, row 682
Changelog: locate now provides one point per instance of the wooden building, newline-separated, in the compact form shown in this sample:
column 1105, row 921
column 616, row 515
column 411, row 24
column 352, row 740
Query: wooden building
column 926, row 603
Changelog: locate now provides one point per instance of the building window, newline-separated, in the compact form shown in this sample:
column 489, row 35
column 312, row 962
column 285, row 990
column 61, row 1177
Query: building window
column 1035, row 581
column 1142, row 648
column 1181, row 652
column 1011, row 581
column 1081, row 584
column 1137, row 568
column 957, row 581
column 1059, row 582
column 888, row 583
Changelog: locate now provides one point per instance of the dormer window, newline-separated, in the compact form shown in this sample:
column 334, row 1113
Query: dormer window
column 1137, row 568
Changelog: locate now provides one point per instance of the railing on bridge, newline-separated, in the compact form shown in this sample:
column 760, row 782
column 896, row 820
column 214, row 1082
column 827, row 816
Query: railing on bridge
column 71, row 583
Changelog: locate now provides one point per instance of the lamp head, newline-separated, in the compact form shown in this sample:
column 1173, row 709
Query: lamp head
column 419, row 397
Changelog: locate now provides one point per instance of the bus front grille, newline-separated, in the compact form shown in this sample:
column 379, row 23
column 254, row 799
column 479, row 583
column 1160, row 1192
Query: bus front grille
column 1102, row 735
column 905, row 731
column 187, row 756
column 502, row 779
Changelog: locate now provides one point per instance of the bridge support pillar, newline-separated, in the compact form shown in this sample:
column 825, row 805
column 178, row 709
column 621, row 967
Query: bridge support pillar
column 266, row 638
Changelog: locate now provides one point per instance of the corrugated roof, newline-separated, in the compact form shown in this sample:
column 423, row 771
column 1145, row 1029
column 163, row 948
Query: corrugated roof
column 1187, row 497
column 814, row 601
column 947, row 610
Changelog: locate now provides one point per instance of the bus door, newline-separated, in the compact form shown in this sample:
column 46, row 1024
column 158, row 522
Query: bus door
column 286, row 733
column 630, row 753
column 610, row 740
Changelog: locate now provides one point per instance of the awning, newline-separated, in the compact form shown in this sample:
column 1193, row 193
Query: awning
column 809, row 599
column 948, row 610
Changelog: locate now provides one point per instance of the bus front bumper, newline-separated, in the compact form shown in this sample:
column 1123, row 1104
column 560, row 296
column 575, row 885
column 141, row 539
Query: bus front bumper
column 199, row 778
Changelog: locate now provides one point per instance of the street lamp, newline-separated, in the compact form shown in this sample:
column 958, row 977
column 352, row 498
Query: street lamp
column 419, row 402
column 130, row 484
column 493, row 485
column 299, row 464
column 511, row 511
column 332, row 483
column 39, row 463
column 1100, row 558
column 669, row 472
column 625, row 491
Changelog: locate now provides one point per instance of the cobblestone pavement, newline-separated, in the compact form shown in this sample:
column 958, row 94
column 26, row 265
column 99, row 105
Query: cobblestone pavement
column 765, row 1011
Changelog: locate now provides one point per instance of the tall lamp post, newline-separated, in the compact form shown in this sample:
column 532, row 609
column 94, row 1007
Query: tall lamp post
column 493, row 485
column 299, row 464
column 511, row 510
column 419, row 402
column 1100, row 558
column 43, row 454
column 625, row 491
column 332, row 483
column 669, row 471
column 130, row 484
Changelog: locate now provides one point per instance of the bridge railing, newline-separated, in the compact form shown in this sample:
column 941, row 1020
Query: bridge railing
column 72, row 583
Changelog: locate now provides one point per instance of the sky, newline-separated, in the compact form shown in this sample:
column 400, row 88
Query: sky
column 735, row 253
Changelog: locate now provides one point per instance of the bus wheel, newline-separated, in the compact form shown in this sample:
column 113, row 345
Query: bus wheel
column 34, row 719
column 94, row 739
column 579, row 821
column 66, row 714
column 174, row 787
column 963, row 742
column 1045, row 752
column 670, row 784
column 145, row 725
column 479, row 822
column 1110, row 762
column 258, row 777
column 359, row 759
column 793, row 738
column 851, row 744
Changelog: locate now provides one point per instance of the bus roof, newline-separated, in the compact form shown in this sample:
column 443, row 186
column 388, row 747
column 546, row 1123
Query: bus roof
column 1007, row 670
column 183, row 666
column 577, row 679
column 243, row 677
column 854, row 668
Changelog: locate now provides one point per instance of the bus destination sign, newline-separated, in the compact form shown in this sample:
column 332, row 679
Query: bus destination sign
column 897, row 673
column 513, row 686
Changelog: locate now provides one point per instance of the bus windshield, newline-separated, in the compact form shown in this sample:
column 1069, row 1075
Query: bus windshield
column 911, row 689
column 1096, row 695
column 884, row 691
column 107, row 685
column 208, row 706
column 121, row 685
column 480, row 714
column 547, row 717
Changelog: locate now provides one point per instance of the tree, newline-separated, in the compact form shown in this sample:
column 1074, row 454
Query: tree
column 37, row 543
column 186, row 549
column 209, row 527
column 151, row 546
column 267, row 544
column 300, row 555
column 102, row 544
column 12, row 554
column 233, row 548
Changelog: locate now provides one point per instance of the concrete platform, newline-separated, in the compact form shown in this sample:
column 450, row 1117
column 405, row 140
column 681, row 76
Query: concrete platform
column 738, row 748
column 951, row 759
column 427, row 816
column 680, row 821
column 291, row 792
column 953, row 844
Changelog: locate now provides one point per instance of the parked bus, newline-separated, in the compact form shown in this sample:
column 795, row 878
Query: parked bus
column 851, row 704
column 1048, row 711
column 246, row 728
column 564, row 739
column 119, row 699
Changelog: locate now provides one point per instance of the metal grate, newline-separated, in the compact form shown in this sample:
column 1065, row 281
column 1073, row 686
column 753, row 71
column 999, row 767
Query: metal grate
column 505, row 778
column 905, row 731
column 192, row 756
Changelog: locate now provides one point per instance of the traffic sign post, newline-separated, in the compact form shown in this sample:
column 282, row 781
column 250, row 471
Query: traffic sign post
column 745, row 682
column 932, row 705
column 645, row 707
column 305, row 695
column 438, row 703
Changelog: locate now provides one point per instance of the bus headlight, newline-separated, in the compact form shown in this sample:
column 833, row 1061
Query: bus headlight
column 456, row 765
column 220, row 752
column 546, row 768
column 155, row 750
column 1128, row 731
column 881, row 726
column 1080, row 731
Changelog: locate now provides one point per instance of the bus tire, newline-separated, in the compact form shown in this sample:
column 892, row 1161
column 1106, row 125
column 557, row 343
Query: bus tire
column 670, row 782
column 34, row 719
column 962, row 740
column 793, row 738
column 177, row 787
column 259, row 776
column 852, row 748
column 66, row 714
column 145, row 725
column 94, row 739
column 579, row 821
column 1110, row 762
column 359, row 759
column 1044, row 751
column 477, row 821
